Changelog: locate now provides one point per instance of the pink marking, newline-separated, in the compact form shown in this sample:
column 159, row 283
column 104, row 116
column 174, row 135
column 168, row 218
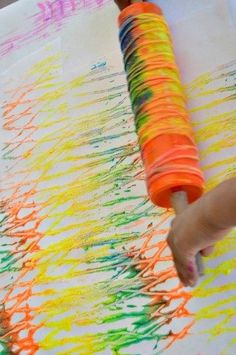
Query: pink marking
column 73, row 5
column 44, row 11
column 56, row 10
column 93, row 3
column 61, row 7
column 100, row 2
column 49, row 13
column 190, row 268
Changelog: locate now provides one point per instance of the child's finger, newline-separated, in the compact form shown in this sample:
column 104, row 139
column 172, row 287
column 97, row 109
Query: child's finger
column 185, row 265
column 187, row 268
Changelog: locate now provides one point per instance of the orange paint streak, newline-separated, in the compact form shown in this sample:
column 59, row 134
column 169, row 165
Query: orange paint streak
column 151, row 278
column 23, row 230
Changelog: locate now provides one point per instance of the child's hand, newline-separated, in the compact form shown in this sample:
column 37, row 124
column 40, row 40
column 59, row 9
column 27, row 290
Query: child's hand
column 189, row 235
column 199, row 227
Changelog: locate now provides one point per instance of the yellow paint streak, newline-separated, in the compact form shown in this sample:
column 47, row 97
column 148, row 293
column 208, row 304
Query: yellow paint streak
column 220, row 163
column 212, row 128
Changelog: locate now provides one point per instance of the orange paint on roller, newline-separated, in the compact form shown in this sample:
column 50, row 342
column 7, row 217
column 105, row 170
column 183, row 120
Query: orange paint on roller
column 166, row 140
column 138, row 8
column 163, row 183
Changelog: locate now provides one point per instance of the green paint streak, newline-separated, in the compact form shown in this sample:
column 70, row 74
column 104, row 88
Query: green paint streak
column 121, row 200
column 123, row 218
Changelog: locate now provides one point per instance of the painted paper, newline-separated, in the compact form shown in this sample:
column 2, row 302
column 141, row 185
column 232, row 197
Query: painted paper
column 84, row 265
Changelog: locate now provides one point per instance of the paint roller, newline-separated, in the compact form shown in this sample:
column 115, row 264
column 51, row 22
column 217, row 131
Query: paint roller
column 166, row 140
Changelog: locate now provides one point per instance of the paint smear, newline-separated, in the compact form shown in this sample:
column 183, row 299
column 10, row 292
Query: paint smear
column 84, row 263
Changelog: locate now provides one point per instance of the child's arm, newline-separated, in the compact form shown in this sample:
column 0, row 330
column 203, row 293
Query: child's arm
column 200, row 226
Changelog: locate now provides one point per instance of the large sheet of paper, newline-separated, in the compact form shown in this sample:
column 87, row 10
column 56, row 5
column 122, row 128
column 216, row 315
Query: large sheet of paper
column 84, row 266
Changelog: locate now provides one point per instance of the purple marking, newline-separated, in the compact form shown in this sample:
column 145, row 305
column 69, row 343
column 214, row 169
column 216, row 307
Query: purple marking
column 48, row 18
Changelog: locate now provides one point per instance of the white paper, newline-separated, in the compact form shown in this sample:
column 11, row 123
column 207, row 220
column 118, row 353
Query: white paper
column 91, row 120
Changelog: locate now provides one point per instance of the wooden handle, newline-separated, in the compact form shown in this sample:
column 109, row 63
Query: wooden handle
column 179, row 202
column 135, row 1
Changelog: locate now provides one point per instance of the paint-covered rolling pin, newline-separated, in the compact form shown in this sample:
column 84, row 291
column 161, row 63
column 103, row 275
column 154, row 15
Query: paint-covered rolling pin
column 168, row 149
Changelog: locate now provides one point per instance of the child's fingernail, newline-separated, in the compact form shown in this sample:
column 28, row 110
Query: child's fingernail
column 190, row 268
